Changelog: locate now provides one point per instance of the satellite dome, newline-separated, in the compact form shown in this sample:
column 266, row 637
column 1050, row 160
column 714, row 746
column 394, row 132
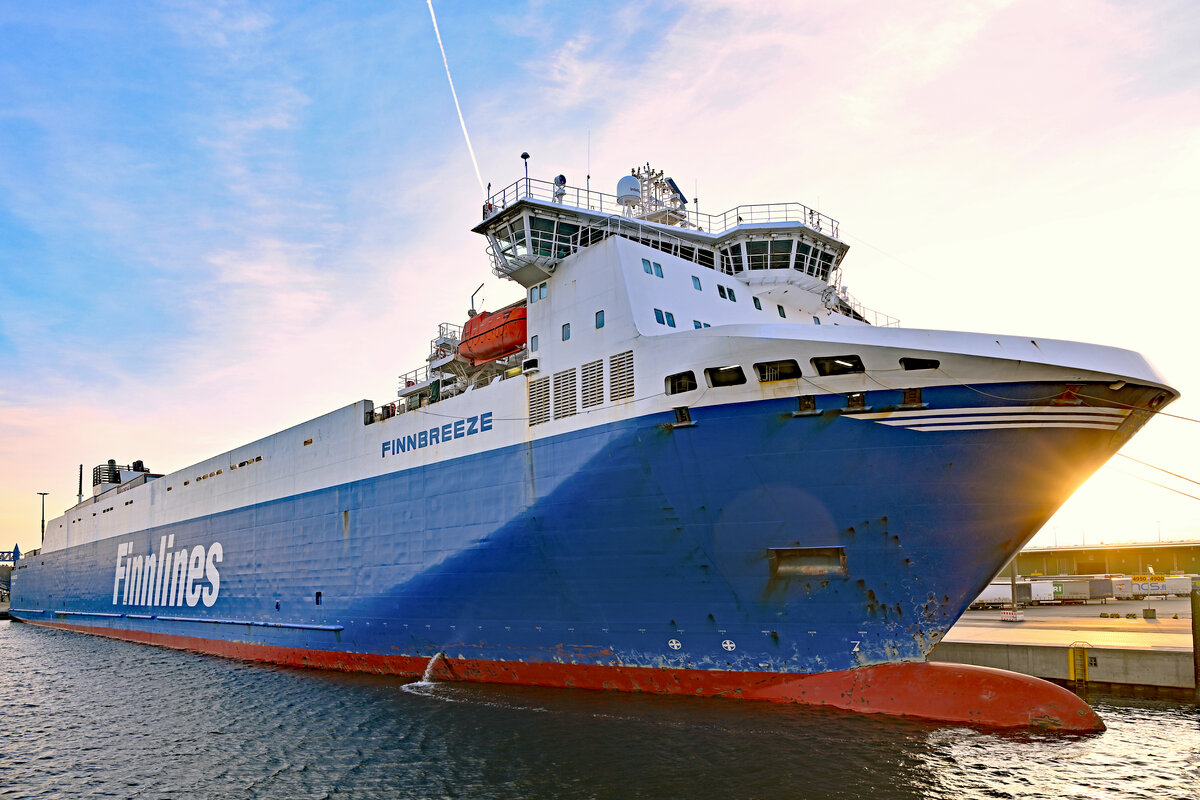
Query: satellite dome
column 629, row 191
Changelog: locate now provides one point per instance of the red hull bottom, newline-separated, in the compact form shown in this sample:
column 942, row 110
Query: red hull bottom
column 926, row 690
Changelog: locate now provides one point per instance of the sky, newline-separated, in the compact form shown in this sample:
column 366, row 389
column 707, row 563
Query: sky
column 219, row 219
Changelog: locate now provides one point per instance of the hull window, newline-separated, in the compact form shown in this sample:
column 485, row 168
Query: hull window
column 681, row 382
column 725, row 376
column 838, row 365
column 788, row 562
column 784, row 370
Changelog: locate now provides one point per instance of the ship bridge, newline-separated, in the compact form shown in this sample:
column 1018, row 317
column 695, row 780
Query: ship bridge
column 532, row 225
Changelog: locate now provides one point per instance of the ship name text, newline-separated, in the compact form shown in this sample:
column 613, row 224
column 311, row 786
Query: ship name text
column 168, row 577
column 451, row 430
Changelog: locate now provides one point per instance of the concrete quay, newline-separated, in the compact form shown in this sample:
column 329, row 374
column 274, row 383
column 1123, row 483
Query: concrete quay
column 1075, row 645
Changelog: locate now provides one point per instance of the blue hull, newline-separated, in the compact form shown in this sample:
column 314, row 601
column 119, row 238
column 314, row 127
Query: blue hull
column 635, row 544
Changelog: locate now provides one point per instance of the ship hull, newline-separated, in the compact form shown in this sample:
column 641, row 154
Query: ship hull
column 755, row 539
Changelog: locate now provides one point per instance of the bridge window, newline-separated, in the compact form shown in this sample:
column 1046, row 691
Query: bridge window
column 756, row 254
column 696, row 284
column 781, row 253
column 731, row 259
column 757, row 304
column 551, row 238
column 658, row 317
column 783, row 313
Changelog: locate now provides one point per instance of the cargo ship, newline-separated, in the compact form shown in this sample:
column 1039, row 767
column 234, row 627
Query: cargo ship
column 687, row 461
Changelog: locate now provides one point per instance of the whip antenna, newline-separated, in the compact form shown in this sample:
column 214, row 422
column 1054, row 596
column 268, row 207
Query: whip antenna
column 454, row 94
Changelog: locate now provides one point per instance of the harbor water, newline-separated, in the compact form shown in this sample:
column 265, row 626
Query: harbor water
column 91, row 717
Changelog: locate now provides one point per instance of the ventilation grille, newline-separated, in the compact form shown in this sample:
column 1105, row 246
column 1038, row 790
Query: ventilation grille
column 539, row 401
column 565, row 394
column 593, row 383
column 620, row 372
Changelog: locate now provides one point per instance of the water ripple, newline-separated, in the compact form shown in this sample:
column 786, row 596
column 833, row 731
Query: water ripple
column 93, row 717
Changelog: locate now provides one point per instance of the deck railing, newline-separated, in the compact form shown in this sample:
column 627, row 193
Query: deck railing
column 713, row 224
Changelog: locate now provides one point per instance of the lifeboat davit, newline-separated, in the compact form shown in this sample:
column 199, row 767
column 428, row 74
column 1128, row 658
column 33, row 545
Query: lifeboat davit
column 487, row 337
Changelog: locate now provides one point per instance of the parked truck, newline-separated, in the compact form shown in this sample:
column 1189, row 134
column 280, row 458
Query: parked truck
column 1137, row 587
column 1000, row 594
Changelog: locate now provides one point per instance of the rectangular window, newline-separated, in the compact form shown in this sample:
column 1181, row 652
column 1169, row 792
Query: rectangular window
column 912, row 397
column 919, row 363
column 781, row 253
column 542, row 291
column 670, row 319
column 696, row 284
column 784, row 370
column 838, row 365
column 646, row 266
column 658, row 317
column 787, row 562
column 783, row 313
column 533, row 343
column 757, row 304
column 681, row 382
column 856, row 401
column 756, row 254
column 721, row 291
column 731, row 375
column 657, row 270
column 566, row 330
column 600, row 318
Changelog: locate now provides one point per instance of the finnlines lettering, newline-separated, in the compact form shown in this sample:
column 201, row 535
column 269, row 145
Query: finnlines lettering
column 166, row 578
column 451, row 430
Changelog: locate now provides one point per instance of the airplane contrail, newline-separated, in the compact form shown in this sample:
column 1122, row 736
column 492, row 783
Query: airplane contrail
column 454, row 94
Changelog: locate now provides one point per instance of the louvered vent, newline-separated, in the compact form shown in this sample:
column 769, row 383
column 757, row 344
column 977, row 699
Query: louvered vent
column 539, row 401
column 566, row 395
column 593, row 383
column 620, row 375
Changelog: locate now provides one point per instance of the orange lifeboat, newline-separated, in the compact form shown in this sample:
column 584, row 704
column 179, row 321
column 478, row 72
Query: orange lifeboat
column 487, row 337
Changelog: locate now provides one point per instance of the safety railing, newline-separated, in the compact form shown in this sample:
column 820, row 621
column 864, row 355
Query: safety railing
column 713, row 224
